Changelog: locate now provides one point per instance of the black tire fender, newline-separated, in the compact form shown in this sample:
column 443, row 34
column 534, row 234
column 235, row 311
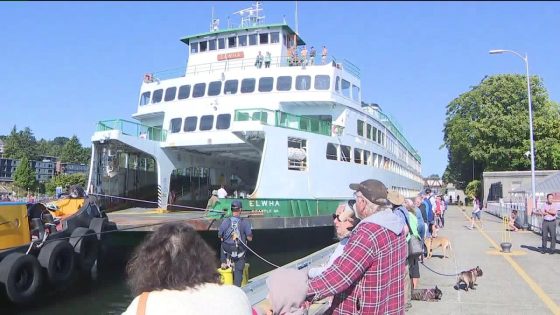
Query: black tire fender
column 21, row 276
column 86, row 246
column 57, row 257
column 98, row 226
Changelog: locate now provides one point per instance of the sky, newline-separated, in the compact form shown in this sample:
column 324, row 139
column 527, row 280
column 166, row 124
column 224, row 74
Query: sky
column 67, row 65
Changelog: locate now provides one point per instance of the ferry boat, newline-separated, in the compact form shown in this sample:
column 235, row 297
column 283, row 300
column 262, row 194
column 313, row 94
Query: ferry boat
column 283, row 134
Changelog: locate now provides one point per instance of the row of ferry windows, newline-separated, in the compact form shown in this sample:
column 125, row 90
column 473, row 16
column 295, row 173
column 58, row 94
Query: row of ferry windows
column 223, row 121
column 235, row 41
column 265, row 84
column 343, row 153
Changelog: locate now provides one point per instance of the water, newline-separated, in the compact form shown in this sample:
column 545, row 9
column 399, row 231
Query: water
column 108, row 294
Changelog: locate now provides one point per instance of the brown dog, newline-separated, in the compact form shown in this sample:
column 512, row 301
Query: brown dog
column 469, row 278
column 435, row 242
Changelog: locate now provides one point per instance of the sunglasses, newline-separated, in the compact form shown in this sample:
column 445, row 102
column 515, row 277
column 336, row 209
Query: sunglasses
column 337, row 217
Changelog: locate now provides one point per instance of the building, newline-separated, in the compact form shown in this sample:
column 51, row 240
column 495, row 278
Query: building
column 46, row 167
column 501, row 185
column 1, row 147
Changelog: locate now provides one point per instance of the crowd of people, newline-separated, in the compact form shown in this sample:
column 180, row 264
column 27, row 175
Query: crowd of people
column 371, row 271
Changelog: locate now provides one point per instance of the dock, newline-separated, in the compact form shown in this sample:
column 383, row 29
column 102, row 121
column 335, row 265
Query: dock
column 522, row 282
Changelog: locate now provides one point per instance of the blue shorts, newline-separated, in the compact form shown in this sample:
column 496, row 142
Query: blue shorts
column 476, row 214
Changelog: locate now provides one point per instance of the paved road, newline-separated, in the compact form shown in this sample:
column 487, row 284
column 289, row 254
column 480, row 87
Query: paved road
column 523, row 282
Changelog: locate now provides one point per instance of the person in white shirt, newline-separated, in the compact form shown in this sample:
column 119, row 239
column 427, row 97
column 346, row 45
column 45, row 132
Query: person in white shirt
column 174, row 271
column 222, row 193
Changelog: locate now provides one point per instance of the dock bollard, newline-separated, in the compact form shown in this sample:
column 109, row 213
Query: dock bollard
column 506, row 236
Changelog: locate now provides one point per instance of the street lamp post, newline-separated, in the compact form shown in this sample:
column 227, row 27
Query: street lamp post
column 531, row 139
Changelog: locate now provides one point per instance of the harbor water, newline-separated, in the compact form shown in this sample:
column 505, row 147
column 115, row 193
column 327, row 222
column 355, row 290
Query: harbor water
column 107, row 293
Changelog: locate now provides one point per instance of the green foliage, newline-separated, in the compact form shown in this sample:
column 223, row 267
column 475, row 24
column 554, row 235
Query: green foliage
column 64, row 180
column 72, row 151
column 24, row 176
column 20, row 144
column 487, row 129
column 474, row 189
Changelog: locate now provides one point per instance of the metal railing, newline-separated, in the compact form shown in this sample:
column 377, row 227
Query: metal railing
column 250, row 63
column 285, row 120
column 504, row 209
column 133, row 129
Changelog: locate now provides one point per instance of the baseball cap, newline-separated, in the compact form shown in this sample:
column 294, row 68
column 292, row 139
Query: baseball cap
column 214, row 192
column 373, row 190
column 395, row 197
column 236, row 205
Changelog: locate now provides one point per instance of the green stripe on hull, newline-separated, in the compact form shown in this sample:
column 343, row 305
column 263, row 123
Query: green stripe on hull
column 280, row 207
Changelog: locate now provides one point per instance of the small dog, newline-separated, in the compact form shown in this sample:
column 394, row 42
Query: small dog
column 469, row 278
column 431, row 295
column 435, row 242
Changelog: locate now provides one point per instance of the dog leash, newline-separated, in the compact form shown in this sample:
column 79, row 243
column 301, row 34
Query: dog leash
column 441, row 274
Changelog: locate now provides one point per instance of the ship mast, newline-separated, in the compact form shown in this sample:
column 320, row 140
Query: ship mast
column 252, row 17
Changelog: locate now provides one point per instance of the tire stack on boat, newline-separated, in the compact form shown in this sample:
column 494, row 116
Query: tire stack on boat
column 56, row 254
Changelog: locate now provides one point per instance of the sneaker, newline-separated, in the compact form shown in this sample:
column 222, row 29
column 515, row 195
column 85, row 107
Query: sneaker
column 543, row 251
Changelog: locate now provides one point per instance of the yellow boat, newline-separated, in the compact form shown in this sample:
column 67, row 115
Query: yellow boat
column 48, row 243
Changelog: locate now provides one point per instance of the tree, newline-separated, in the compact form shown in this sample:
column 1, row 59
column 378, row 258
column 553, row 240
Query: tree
column 72, row 151
column 24, row 176
column 487, row 129
column 64, row 180
column 20, row 144
column 474, row 189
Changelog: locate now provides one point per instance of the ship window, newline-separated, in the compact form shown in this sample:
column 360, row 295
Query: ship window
column 368, row 131
column 358, row 156
column 285, row 38
column 230, row 87
column 214, row 88
column 331, row 151
column 344, row 153
column 170, row 94
column 248, row 86
column 322, row 82
column 194, row 48
column 284, row 83
column 274, row 37
column 303, row 82
column 360, row 128
column 379, row 136
column 203, row 46
column 190, row 123
column 212, row 44
column 355, row 92
column 184, row 91
column 223, row 121
column 145, row 98
column 265, row 84
column 242, row 39
column 252, row 39
column 232, row 41
column 263, row 38
column 221, row 43
column 157, row 96
column 345, row 88
column 175, row 125
column 373, row 133
column 198, row 89
column 367, row 158
column 337, row 84
column 206, row 122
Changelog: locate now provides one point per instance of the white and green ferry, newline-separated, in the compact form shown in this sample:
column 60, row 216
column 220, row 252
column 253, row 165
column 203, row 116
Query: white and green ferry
column 285, row 137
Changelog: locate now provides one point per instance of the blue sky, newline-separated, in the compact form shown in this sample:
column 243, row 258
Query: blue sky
column 67, row 65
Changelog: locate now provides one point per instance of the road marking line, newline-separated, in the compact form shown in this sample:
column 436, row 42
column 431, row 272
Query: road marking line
column 554, row 308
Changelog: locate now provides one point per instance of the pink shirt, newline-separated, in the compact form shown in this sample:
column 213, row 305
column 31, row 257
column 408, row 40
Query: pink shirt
column 551, row 208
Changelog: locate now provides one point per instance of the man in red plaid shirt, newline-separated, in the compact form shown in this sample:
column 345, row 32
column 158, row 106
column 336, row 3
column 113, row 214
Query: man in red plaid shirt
column 368, row 278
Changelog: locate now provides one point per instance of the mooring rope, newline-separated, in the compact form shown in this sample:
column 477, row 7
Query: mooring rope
column 262, row 258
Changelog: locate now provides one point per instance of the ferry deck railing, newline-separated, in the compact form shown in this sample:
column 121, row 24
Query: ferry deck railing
column 133, row 129
column 250, row 63
column 286, row 120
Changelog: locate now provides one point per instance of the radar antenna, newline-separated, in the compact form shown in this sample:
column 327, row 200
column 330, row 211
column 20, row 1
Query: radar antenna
column 251, row 16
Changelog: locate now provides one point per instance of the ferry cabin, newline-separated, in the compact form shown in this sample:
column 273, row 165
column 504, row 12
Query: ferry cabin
column 282, row 131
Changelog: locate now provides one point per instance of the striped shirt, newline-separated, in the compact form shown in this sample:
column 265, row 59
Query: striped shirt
column 368, row 278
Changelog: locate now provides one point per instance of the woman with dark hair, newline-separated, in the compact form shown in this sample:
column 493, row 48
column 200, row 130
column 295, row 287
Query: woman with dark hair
column 174, row 271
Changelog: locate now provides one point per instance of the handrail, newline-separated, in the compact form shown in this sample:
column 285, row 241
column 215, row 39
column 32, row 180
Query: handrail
column 286, row 120
column 134, row 129
column 250, row 63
